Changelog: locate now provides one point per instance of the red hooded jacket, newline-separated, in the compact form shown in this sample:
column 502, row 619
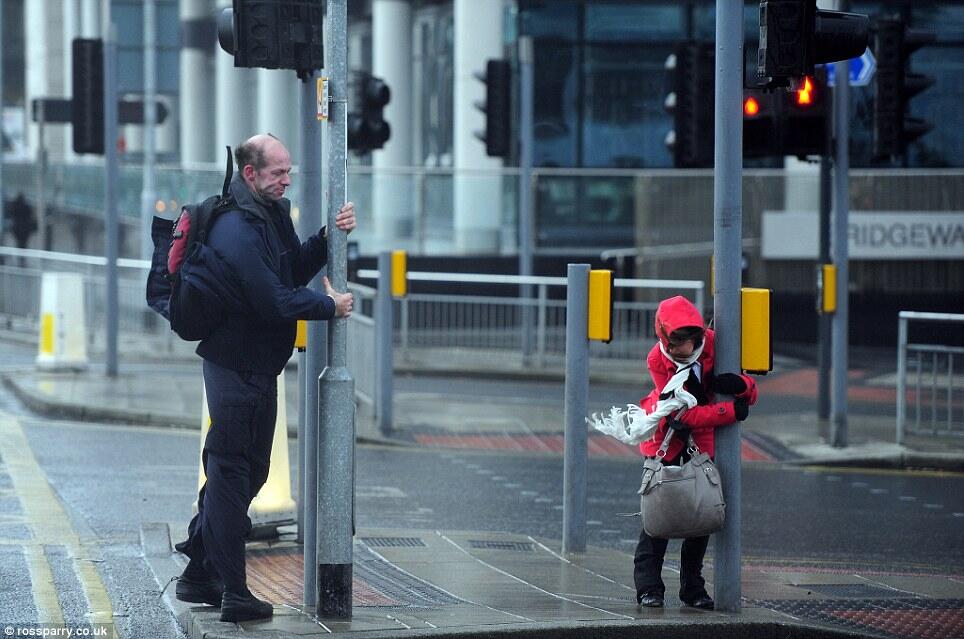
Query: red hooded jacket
column 672, row 314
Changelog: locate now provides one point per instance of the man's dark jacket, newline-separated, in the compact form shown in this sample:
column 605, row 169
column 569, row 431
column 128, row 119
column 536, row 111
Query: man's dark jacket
column 271, row 267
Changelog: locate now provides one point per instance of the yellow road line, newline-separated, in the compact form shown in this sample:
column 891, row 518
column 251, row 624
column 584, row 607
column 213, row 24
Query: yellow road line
column 51, row 526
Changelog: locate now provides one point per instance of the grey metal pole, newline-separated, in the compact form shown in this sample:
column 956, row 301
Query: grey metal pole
column 2, row 207
column 525, row 186
column 336, row 386
column 574, row 474
column 841, row 113
column 110, row 183
column 727, row 245
column 824, row 320
column 302, row 391
column 41, row 176
column 901, row 378
column 384, row 353
column 148, row 186
column 316, row 356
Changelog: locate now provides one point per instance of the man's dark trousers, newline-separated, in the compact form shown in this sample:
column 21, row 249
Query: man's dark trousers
column 237, row 451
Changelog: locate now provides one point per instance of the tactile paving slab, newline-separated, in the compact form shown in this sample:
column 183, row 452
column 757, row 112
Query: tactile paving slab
column 891, row 618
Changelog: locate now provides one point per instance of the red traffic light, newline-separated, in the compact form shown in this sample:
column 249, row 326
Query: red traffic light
column 751, row 107
column 806, row 94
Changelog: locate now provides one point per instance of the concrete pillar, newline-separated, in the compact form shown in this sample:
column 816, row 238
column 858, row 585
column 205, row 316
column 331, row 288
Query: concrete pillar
column 90, row 23
column 196, row 108
column 278, row 99
column 45, row 71
column 393, row 193
column 478, row 196
column 801, row 185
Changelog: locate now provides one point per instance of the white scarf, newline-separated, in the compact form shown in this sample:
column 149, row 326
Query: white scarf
column 633, row 425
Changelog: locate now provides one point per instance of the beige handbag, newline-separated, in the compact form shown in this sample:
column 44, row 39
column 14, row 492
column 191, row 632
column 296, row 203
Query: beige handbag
column 681, row 501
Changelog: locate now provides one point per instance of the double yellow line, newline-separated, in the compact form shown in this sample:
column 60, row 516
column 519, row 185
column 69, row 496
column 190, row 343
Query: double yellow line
column 50, row 525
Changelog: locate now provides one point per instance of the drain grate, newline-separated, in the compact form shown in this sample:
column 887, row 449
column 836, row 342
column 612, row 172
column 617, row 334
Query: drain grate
column 405, row 588
column 393, row 542
column 518, row 546
column 856, row 591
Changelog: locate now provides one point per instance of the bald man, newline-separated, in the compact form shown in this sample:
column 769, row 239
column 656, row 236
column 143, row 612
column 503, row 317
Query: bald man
column 256, row 241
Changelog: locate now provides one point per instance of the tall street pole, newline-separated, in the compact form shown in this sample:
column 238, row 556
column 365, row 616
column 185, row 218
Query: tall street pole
column 336, row 386
column 525, row 186
column 316, row 355
column 148, row 187
column 841, row 342
column 2, row 210
column 727, row 248
column 110, row 183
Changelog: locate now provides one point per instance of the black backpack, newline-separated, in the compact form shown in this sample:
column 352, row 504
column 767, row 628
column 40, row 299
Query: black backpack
column 186, row 283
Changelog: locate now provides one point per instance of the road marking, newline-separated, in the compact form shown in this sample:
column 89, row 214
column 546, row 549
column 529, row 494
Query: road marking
column 51, row 526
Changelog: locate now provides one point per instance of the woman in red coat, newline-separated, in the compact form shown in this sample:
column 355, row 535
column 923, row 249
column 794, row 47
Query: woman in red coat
column 684, row 341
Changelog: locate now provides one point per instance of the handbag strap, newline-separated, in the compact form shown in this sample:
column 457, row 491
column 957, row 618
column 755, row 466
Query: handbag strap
column 670, row 431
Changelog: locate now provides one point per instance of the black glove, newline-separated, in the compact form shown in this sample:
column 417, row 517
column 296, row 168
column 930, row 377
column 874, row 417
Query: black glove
column 729, row 384
column 741, row 408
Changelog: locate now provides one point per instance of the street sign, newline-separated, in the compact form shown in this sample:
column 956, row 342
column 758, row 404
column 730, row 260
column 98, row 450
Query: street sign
column 861, row 70
column 59, row 110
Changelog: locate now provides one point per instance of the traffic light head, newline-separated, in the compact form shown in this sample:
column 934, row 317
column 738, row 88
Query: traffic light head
column 497, row 108
column 795, row 36
column 87, row 107
column 274, row 34
column 690, row 101
column 367, row 128
column 895, row 85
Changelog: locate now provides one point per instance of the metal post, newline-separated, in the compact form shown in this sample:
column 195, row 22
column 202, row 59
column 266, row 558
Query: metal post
column 316, row 355
column 302, row 412
column 110, row 183
column 2, row 209
column 336, row 386
column 525, row 186
column 824, row 320
column 384, row 362
column 841, row 113
column 541, row 328
column 41, row 177
column 574, row 474
column 727, row 245
column 148, row 186
column 901, row 378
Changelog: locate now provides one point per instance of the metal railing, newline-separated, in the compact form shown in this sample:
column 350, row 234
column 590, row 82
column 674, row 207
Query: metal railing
column 492, row 327
column 361, row 343
column 937, row 393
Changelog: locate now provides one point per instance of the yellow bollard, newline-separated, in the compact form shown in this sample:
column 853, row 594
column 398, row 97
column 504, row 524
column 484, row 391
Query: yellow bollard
column 600, row 323
column 273, row 506
column 756, row 338
column 63, row 336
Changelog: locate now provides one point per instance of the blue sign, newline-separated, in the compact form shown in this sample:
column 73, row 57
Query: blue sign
column 861, row 70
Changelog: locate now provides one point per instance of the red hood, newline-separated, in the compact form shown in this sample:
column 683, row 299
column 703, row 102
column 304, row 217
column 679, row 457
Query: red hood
column 675, row 313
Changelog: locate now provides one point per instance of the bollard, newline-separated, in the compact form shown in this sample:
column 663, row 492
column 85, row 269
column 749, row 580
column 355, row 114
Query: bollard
column 63, row 336
column 273, row 506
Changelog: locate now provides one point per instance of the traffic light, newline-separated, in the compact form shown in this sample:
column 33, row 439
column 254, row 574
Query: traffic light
column 690, row 101
column 795, row 36
column 806, row 116
column 87, row 100
column 367, row 128
column 760, row 123
column 894, row 129
column 274, row 34
column 496, row 107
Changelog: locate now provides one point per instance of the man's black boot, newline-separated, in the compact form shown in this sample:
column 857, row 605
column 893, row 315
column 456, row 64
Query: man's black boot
column 244, row 607
column 196, row 585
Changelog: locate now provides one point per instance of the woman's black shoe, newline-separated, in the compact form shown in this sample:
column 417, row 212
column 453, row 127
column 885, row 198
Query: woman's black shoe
column 235, row 607
column 703, row 602
column 206, row 591
column 651, row 600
